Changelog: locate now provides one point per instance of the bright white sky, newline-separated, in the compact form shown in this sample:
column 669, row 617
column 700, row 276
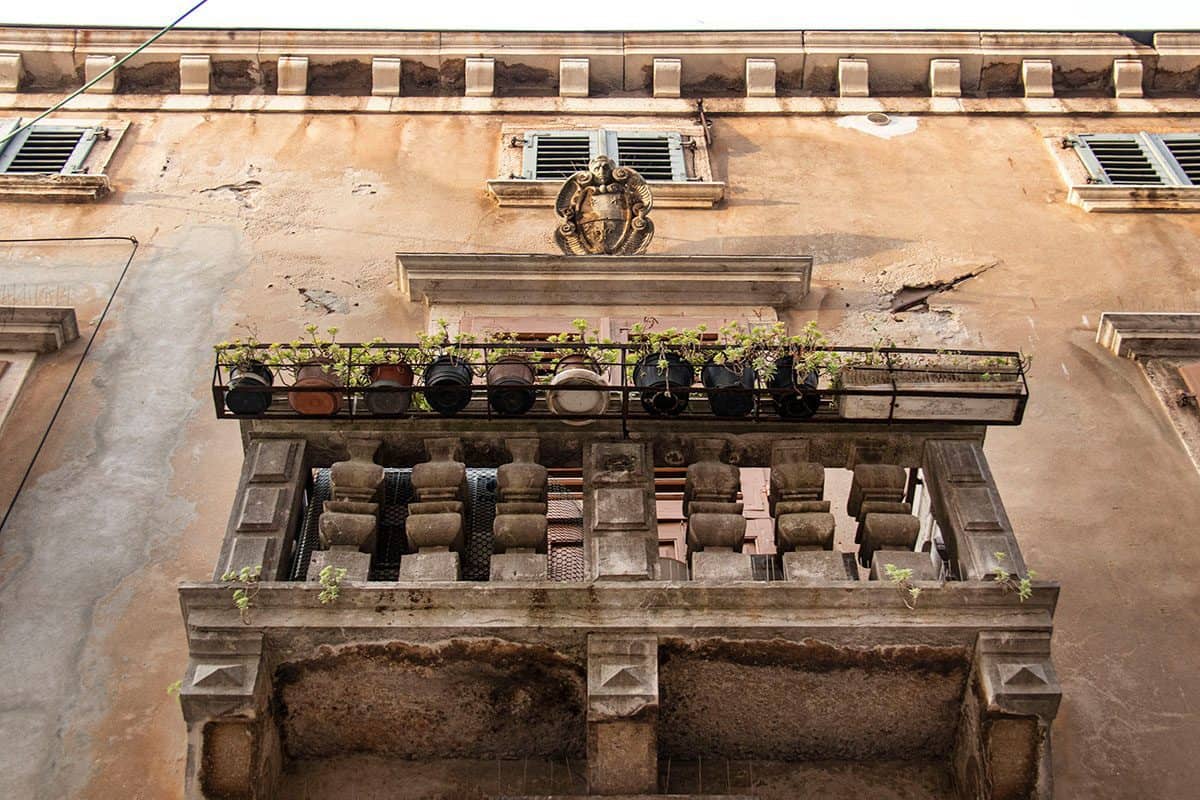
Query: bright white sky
column 1114, row 15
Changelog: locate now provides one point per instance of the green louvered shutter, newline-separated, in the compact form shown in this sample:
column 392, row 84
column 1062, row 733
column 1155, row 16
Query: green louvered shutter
column 557, row 155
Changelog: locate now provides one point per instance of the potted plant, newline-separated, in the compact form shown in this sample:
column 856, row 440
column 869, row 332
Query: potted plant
column 250, row 379
column 728, row 374
column 912, row 386
column 664, row 370
column 387, row 372
column 316, row 364
column 510, row 376
column 448, row 372
column 578, row 388
column 794, row 377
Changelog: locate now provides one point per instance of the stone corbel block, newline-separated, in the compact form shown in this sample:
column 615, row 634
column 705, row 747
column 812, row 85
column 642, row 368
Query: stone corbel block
column 852, row 78
column 95, row 65
column 1017, row 675
column 573, row 80
column 1127, row 77
column 1037, row 76
column 194, row 74
column 668, row 76
column 945, row 77
column 385, row 77
column 760, row 77
column 622, row 714
column 10, row 72
column 293, row 75
column 481, row 77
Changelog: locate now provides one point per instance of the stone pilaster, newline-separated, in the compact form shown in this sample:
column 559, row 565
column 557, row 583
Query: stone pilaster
column 716, row 528
column 968, row 509
column 620, row 519
column 233, row 745
column 519, row 531
column 1002, row 748
column 266, row 510
column 622, row 715
column 435, row 521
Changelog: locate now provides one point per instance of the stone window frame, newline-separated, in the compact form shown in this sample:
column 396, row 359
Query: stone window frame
column 700, row 190
column 85, row 178
column 1089, row 187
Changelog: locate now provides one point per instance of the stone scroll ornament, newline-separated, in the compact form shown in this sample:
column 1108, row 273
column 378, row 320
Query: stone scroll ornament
column 604, row 211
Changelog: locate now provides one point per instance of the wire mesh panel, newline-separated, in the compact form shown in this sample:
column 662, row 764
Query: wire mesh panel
column 480, row 516
column 564, row 546
column 318, row 493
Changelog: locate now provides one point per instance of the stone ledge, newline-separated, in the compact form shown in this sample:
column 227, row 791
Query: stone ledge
column 37, row 329
column 54, row 188
column 1139, row 334
column 667, row 194
column 778, row 281
column 1106, row 197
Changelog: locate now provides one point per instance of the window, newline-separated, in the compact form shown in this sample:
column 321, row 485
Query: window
column 46, row 148
column 556, row 155
column 1140, row 159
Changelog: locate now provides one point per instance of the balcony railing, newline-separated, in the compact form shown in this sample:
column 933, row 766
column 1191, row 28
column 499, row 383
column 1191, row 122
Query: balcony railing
column 891, row 385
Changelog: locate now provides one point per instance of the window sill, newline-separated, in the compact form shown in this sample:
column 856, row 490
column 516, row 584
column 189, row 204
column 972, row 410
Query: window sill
column 693, row 194
column 1102, row 197
column 54, row 188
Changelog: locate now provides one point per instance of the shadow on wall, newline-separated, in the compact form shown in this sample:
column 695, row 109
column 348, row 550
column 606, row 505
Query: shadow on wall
column 823, row 247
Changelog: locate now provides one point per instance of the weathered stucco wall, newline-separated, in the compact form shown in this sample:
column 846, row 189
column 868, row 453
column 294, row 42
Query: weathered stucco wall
column 283, row 219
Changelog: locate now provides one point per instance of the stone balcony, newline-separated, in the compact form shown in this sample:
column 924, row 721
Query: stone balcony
column 457, row 637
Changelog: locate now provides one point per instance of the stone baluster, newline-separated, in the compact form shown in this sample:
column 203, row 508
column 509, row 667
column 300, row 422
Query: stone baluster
column 886, row 522
column 716, row 528
column 519, row 531
column 435, row 521
column 350, row 520
column 804, row 526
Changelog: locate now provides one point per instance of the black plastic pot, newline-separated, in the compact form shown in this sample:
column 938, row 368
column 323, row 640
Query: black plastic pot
column 510, row 386
column 448, row 385
column 246, row 395
column 793, row 399
column 724, row 384
column 664, row 391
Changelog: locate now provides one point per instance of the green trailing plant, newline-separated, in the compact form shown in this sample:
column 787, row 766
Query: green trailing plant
column 331, row 583
column 459, row 346
column 649, row 344
column 244, row 594
column 1012, row 582
column 175, row 689
column 318, row 348
column 901, row 578
column 587, row 341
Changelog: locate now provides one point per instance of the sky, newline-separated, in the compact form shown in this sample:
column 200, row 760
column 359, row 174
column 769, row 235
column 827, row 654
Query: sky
column 1115, row 15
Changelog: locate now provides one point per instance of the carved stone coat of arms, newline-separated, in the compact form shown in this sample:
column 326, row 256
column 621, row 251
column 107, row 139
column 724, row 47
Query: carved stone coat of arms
column 604, row 211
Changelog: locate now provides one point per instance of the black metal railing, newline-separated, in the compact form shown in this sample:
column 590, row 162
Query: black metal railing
column 893, row 385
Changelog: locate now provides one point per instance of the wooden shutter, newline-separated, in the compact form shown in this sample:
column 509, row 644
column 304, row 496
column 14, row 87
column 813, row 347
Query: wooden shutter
column 1126, row 159
column 656, row 155
column 557, row 155
column 47, row 149
column 1184, row 150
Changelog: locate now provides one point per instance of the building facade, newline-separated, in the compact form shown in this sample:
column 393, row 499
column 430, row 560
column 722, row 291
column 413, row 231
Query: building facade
column 853, row 599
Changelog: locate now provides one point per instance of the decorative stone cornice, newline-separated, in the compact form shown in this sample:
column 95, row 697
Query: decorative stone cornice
column 37, row 329
column 712, row 63
column 778, row 281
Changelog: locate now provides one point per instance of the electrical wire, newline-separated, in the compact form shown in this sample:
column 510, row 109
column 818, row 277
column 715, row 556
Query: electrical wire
column 79, row 365
column 4, row 139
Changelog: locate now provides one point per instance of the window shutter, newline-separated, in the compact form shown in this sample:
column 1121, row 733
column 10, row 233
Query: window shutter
column 557, row 155
column 1184, row 149
column 48, row 149
column 8, row 150
column 656, row 155
column 1122, row 159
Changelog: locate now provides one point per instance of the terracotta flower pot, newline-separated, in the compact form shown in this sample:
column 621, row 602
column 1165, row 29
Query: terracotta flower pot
column 316, row 403
column 510, row 385
column 249, row 386
column 390, row 383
